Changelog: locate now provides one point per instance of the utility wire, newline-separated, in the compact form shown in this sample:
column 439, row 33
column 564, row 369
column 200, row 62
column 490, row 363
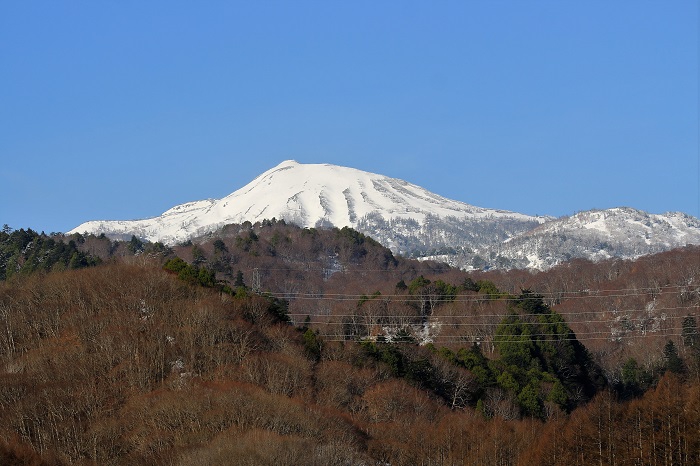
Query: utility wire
column 502, row 316
column 464, row 298
column 505, row 324
column 335, row 337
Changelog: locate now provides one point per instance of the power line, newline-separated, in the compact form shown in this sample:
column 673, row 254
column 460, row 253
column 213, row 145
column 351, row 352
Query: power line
column 464, row 298
column 456, row 339
column 663, row 331
column 503, row 324
column 502, row 316
column 363, row 271
column 557, row 293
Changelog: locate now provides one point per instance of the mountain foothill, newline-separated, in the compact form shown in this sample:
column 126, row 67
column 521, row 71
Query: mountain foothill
column 271, row 343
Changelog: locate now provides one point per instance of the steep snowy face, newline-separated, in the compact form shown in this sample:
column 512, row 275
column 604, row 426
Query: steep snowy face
column 307, row 195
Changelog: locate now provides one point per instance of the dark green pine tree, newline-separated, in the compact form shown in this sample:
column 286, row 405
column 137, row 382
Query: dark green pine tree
column 135, row 245
column 673, row 362
column 239, row 280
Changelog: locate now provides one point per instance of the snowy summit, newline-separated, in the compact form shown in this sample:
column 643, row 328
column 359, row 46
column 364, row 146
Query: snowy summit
column 307, row 195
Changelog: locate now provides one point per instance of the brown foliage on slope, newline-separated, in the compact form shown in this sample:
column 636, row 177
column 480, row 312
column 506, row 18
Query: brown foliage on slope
column 126, row 364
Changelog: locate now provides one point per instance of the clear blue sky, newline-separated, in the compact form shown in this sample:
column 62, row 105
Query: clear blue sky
column 123, row 109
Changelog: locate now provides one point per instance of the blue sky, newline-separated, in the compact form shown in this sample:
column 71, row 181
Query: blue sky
column 123, row 109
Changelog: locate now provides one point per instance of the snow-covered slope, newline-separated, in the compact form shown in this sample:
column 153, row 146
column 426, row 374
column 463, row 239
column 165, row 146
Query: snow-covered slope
column 307, row 195
column 600, row 234
column 415, row 222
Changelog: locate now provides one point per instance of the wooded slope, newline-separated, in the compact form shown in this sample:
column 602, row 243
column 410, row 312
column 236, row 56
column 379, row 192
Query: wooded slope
column 130, row 363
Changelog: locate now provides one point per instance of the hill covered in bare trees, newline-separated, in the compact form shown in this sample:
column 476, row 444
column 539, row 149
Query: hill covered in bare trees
column 273, row 344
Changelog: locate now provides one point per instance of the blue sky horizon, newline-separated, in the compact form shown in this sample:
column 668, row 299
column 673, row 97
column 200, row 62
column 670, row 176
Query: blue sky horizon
column 122, row 110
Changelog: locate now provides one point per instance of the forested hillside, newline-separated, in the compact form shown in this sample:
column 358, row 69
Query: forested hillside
column 25, row 251
column 271, row 344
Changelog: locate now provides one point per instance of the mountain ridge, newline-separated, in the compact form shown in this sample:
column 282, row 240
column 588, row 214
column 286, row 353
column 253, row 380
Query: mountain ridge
column 413, row 221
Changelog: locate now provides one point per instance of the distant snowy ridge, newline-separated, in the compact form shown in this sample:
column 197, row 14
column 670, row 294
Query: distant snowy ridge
column 601, row 234
column 413, row 221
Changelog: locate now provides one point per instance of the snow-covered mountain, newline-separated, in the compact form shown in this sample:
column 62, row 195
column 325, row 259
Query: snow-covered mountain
column 310, row 195
column 413, row 221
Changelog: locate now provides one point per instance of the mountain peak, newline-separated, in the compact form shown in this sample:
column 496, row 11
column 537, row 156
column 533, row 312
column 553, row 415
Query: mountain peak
column 304, row 194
